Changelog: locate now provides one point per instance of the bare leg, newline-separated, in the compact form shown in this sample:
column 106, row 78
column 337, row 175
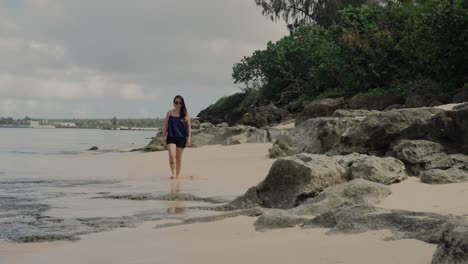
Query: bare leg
column 179, row 152
column 172, row 159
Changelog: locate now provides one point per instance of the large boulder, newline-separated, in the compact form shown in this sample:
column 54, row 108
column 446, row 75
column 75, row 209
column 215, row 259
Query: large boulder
column 375, row 102
column 320, row 108
column 451, row 127
column 381, row 170
column 454, row 174
column 420, row 155
column 293, row 180
column 371, row 133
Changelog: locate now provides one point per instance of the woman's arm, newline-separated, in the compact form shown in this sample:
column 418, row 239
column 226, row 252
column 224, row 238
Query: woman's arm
column 164, row 129
column 189, row 129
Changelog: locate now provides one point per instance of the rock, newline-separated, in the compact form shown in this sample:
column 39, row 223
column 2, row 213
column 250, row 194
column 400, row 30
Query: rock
column 453, row 245
column 253, row 119
column 460, row 95
column 362, row 218
column 236, row 114
column 232, row 112
column 353, row 113
column 394, row 106
column 282, row 143
column 204, row 126
column 294, row 106
column 212, row 114
column 355, row 192
column 221, row 125
column 249, row 200
column 451, row 128
column 452, row 175
column 372, row 133
column 375, row 169
column 293, row 180
column 375, row 102
column 94, row 148
column 320, row 108
column 421, row 155
column 209, row 134
column 278, row 219
column 276, row 152
column 195, row 124
column 424, row 94
column 296, row 178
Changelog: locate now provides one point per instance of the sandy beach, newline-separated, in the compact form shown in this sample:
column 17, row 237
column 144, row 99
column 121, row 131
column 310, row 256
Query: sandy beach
column 229, row 171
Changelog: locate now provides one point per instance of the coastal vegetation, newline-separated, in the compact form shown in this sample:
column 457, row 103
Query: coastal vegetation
column 345, row 48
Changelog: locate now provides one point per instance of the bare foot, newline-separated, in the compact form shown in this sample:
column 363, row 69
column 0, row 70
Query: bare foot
column 172, row 177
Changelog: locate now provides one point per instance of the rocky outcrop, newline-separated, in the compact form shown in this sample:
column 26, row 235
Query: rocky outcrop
column 457, row 173
column 371, row 133
column 404, row 224
column 293, row 180
column 209, row 134
column 375, row 102
column 421, row 155
column 256, row 116
column 319, row 108
column 451, row 128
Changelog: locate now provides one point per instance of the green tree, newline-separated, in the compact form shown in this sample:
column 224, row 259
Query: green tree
column 298, row 12
column 115, row 122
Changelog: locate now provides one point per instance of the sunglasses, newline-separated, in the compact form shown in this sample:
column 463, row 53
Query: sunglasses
column 178, row 103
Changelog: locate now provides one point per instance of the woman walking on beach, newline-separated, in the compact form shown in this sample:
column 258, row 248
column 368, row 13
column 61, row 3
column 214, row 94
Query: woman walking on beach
column 177, row 133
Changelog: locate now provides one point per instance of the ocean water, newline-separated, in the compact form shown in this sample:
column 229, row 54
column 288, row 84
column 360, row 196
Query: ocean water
column 53, row 188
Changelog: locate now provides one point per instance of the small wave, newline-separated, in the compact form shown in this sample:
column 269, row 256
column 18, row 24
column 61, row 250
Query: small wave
column 24, row 152
column 67, row 152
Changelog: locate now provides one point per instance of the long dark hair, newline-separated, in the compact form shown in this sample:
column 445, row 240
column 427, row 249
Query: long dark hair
column 183, row 109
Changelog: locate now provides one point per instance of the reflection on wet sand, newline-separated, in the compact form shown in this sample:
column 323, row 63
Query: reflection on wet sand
column 175, row 207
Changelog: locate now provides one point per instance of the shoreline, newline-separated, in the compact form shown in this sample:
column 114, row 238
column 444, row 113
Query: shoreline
column 229, row 171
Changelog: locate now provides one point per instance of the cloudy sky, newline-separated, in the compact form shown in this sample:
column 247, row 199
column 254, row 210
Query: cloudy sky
column 105, row 58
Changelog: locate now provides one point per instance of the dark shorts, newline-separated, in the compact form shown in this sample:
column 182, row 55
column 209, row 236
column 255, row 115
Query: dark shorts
column 179, row 141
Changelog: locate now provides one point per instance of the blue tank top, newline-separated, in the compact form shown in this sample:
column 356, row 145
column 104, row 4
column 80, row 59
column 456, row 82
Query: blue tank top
column 177, row 127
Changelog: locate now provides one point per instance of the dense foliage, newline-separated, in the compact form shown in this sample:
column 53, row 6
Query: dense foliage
column 384, row 48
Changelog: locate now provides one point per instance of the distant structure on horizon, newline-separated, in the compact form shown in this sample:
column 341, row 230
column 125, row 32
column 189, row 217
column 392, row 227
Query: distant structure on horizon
column 34, row 123
column 64, row 124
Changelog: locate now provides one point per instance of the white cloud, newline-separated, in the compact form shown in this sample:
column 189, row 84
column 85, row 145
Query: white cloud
column 73, row 52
